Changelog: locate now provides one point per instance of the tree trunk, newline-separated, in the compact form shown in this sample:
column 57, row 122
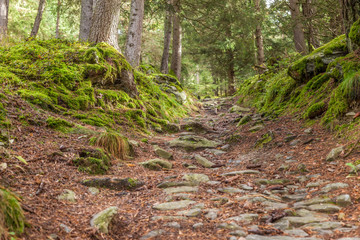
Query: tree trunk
column 260, row 56
column 105, row 22
column 133, row 41
column 85, row 19
column 167, row 39
column 176, row 48
column 57, row 33
column 38, row 18
column 350, row 14
column 299, row 38
column 309, row 12
column 4, row 16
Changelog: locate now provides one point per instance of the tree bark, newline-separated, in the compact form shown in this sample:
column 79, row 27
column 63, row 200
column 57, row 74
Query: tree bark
column 133, row 41
column 260, row 56
column 231, row 73
column 4, row 16
column 309, row 13
column 299, row 38
column 38, row 18
column 105, row 23
column 85, row 19
column 176, row 48
column 57, row 33
column 164, row 68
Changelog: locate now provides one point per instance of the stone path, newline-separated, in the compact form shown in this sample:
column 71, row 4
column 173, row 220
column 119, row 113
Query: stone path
column 240, row 203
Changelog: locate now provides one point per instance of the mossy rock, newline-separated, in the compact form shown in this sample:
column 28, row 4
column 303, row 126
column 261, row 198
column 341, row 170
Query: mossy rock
column 92, row 161
column 354, row 35
column 315, row 110
column 191, row 143
column 244, row 120
column 265, row 140
column 11, row 213
column 113, row 183
column 157, row 164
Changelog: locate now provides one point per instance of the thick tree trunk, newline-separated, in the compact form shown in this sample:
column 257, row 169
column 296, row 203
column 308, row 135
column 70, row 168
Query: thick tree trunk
column 4, row 16
column 164, row 68
column 350, row 13
column 260, row 56
column 176, row 48
column 38, row 18
column 57, row 33
column 105, row 22
column 85, row 19
column 133, row 41
column 299, row 38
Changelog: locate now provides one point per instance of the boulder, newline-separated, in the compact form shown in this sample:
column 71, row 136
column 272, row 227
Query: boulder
column 334, row 154
column 203, row 161
column 102, row 219
column 157, row 164
column 163, row 153
column 192, row 143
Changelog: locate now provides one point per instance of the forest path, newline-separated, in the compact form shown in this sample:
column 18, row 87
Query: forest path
column 267, row 180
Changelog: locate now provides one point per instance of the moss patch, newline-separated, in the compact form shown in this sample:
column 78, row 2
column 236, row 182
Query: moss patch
column 11, row 212
column 92, row 161
column 58, row 124
column 315, row 110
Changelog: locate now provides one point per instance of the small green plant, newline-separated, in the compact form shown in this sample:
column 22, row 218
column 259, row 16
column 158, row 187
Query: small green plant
column 353, row 167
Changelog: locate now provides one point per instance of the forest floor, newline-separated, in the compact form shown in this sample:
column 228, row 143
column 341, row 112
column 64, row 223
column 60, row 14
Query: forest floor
column 284, row 189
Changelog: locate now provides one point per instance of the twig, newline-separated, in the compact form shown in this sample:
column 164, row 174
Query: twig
column 40, row 188
column 352, row 149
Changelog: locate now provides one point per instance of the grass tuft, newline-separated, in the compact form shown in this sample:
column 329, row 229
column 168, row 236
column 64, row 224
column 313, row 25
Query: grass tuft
column 113, row 143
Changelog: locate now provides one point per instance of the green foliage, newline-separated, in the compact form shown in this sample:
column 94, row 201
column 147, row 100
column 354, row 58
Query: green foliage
column 354, row 34
column 11, row 213
column 315, row 110
column 92, row 161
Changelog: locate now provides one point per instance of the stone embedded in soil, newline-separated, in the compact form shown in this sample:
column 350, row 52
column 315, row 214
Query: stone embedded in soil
column 334, row 186
column 259, row 237
column 102, row 219
column 239, row 233
column 212, row 214
column 168, row 218
column 296, row 233
column 67, row 195
column 257, row 128
column 93, row 190
column 229, row 226
column 300, row 221
column 237, row 109
column 203, row 161
column 215, row 151
column 113, row 183
column 325, row 208
column 294, row 197
column 172, row 225
column 153, row 234
column 196, row 178
column 245, row 218
column 274, row 205
column 177, row 197
column 198, row 225
column 230, row 190
column 162, row 153
column 343, row 200
column 184, row 189
column 192, row 143
column 313, row 201
column 175, row 184
column 173, row 205
column 157, row 164
column 190, row 213
column 334, row 154
column 314, row 184
column 308, row 130
column 241, row 172
column 324, row 225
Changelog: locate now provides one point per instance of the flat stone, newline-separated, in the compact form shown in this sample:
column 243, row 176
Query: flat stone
column 257, row 128
column 196, row 178
column 213, row 183
column 343, row 200
column 113, row 183
column 334, row 154
column 190, row 213
column 334, row 186
column 239, row 233
column 230, row 190
column 215, row 152
column 173, row 205
column 175, row 184
column 163, row 153
column 308, row 130
column 325, row 208
column 177, row 197
column 294, row 142
column 296, row 233
column 314, row 184
column 153, row 234
column 203, row 161
column 184, row 189
column 324, row 225
column 229, row 226
column 300, row 221
column 198, row 225
column 282, row 224
column 236, row 108
column 93, row 190
column 192, row 143
column 212, row 214
column 241, row 172
column 156, row 164
column 246, row 218
column 274, row 205
column 168, row 218
column 349, row 238
column 172, row 225
column 271, row 182
column 102, row 219
column 294, row 197
column 259, row 237
column 67, row 195
column 313, row 201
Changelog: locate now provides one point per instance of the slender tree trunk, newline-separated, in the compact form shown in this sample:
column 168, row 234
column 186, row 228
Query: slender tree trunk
column 167, row 39
column 299, row 38
column 176, row 48
column 85, row 19
column 4, row 16
column 105, row 22
column 38, row 18
column 231, row 73
column 260, row 56
column 133, row 41
column 309, row 12
column 57, row 33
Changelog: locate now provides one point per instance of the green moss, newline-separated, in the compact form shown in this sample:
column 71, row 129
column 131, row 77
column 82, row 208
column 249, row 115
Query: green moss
column 265, row 139
column 58, row 124
column 354, row 34
column 138, row 116
column 92, row 161
column 12, row 212
column 315, row 110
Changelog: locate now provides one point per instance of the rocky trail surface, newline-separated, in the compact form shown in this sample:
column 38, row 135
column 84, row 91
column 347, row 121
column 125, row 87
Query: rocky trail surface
column 229, row 173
